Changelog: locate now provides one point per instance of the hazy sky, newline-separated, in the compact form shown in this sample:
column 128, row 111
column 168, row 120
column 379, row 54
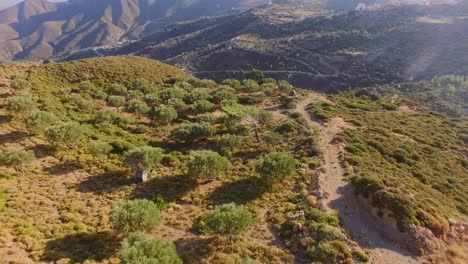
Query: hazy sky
column 7, row 3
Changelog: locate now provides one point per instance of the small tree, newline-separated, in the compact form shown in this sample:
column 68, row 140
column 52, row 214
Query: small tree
column 20, row 84
column 207, row 164
column 199, row 94
column 39, row 121
column 191, row 132
column 23, row 104
column 203, row 106
column 116, row 101
column 227, row 219
column 140, row 248
column 256, row 75
column 144, row 158
column 165, row 114
column 233, row 83
column 106, row 116
column 86, row 85
column 276, row 166
column 285, row 87
column 144, row 86
column 99, row 149
column 64, row 134
column 16, row 158
column 117, row 89
column 134, row 215
column 225, row 94
column 251, row 86
column 137, row 106
column 257, row 120
column 228, row 143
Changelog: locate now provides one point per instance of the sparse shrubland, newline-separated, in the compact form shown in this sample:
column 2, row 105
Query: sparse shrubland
column 91, row 124
column 409, row 165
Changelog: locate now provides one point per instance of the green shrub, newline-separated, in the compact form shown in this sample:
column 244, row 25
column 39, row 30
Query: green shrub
column 137, row 106
column 20, row 84
column 134, row 215
column 144, row 86
column 117, row 89
column 276, row 166
column 64, row 134
column 227, row 219
column 207, row 164
column 140, row 248
column 106, row 116
column 232, row 83
column 322, row 252
column 228, row 143
column 144, row 158
column 165, row 114
column 177, row 103
column 99, row 148
column 39, row 121
column 16, row 158
column 251, row 86
column 192, row 132
column 203, row 106
column 116, row 101
column 20, row 104
column 360, row 255
column 272, row 137
column 199, row 94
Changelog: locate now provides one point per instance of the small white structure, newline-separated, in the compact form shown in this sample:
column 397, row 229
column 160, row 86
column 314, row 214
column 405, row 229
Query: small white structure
column 141, row 176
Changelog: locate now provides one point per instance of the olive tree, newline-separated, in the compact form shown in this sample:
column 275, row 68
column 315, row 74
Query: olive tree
column 129, row 216
column 39, row 121
column 191, row 132
column 16, row 158
column 20, row 84
column 64, row 134
column 117, row 89
column 144, row 158
column 227, row 220
column 203, row 106
column 207, row 164
column 116, row 101
column 106, row 116
column 229, row 143
column 256, row 75
column 276, row 166
column 251, row 86
column 99, row 149
column 137, row 106
column 23, row 104
column 165, row 114
column 141, row 248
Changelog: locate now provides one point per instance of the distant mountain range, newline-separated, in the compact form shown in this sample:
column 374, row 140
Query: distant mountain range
column 39, row 29
column 327, row 51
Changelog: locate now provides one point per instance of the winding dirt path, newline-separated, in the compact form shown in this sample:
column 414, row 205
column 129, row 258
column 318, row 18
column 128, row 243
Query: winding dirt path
column 339, row 198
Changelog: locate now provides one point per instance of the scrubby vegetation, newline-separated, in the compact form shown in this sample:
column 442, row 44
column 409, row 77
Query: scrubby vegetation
column 91, row 124
column 410, row 164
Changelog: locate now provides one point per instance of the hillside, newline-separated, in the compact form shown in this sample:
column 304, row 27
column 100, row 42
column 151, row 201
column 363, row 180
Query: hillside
column 74, row 134
column 320, row 50
column 39, row 29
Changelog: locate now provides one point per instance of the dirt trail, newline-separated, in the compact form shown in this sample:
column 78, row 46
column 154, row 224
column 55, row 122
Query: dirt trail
column 338, row 197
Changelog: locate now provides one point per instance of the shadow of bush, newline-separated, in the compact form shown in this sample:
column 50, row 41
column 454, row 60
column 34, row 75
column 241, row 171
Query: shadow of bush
column 239, row 192
column 105, row 182
column 171, row 188
column 82, row 247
